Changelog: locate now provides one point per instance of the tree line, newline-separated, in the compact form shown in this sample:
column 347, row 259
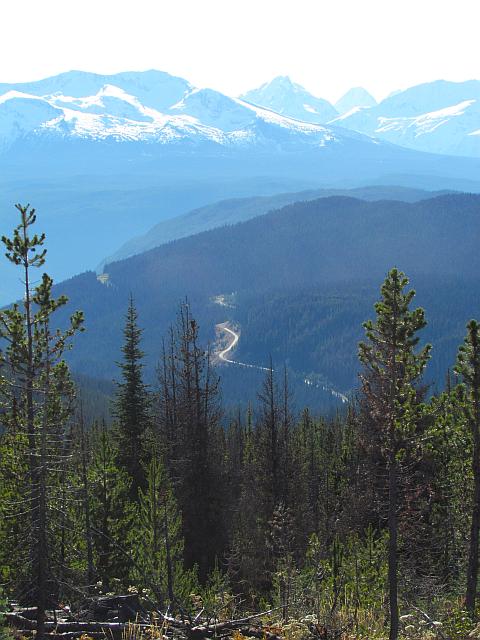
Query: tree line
column 351, row 520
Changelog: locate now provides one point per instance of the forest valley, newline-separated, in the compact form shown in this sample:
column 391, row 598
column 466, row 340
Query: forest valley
column 182, row 520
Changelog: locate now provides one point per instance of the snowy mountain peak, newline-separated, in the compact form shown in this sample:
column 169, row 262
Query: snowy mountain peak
column 355, row 97
column 282, row 82
column 21, row 114
column 291, row 99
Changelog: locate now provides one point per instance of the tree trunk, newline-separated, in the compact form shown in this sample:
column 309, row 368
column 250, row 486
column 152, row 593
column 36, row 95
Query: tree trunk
column 392, row 547
column 171, row 594
column 86, row 503
column 36, row 473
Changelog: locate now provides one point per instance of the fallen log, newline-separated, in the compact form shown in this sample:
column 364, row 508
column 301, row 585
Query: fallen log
column 20, row 622
column 80, row 627
column 98, row 630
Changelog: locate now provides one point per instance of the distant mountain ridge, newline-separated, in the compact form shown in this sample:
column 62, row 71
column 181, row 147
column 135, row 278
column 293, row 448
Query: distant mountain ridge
column 228, row 212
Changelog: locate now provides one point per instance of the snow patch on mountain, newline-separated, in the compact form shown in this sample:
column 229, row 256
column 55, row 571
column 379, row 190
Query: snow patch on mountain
column 110, row 100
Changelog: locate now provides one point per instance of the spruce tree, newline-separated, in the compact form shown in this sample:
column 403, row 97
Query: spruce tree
column 468, row 366
column 111, row 511
column 157, row 541
column 392, row 367
column 132, row 405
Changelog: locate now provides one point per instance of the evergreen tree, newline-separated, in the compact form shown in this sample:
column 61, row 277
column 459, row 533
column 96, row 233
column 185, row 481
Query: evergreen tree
column 468, row 366
column 14, row 491
column 248, row 561
column 449, row 451
column 271, row 445
column 35, row 399
column 157, row 541
column 392, row 367
column 132, row 406
column 189, row 431
column 110, row 509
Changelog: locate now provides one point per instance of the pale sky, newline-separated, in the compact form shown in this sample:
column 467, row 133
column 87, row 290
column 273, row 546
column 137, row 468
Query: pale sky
column 234, row 45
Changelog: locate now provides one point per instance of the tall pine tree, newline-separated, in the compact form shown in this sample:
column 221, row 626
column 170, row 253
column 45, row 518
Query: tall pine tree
column 392, row 367
column 132, row 405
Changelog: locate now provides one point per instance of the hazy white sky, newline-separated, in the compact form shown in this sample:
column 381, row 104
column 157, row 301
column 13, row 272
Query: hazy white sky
column 234, row 45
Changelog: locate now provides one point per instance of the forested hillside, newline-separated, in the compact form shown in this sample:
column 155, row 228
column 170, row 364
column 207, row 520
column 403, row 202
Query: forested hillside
column 235, row 210
column 302, row 278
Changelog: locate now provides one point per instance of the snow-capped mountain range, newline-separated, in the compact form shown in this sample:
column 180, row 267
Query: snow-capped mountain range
column 146, row 107
column 153, row 106
column 437, row 117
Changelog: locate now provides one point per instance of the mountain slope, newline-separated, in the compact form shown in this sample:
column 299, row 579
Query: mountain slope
column 90, row 216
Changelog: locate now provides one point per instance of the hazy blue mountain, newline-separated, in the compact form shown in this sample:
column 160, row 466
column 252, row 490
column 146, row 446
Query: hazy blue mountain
column 354, row 98
column 90, row 216
column 437, row 117
column 227, row 212
column 292, row 100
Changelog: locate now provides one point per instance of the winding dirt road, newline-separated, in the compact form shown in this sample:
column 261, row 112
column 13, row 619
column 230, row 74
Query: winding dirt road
column 225, row 356
column 234, row 338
